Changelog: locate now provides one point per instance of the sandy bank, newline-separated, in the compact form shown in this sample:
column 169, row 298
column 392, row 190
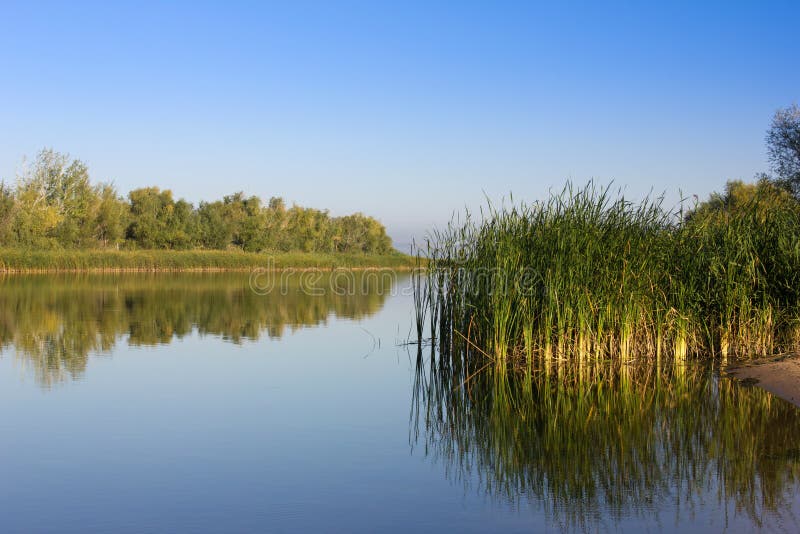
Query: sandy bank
column 781, row 376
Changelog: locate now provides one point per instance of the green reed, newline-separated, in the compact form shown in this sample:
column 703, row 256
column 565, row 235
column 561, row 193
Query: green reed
column 587, row 274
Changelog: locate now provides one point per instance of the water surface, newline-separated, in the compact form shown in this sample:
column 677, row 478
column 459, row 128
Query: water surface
column 163, row 403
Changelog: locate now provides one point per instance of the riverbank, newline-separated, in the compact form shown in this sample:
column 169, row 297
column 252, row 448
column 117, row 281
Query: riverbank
column 780, row 376
column 52, row 261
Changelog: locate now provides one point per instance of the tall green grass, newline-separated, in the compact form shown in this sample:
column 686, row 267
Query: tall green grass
column 587, row 274
column 23, row 260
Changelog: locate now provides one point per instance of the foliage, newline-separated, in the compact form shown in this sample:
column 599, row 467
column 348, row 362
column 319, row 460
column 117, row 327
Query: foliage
column 586, row 275
column 8, row 207
column 764, row 196
column 783, row 147
column 158, row 222
column 111, row 217
column 55, row 206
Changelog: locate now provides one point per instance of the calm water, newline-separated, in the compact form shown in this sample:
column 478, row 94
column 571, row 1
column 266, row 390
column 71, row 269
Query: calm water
column 164, row 403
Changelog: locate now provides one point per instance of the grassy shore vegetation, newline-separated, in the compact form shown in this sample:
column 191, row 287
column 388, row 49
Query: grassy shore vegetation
column 32, row 261
column 589, row 274
column 574, row 344
column 54, row 206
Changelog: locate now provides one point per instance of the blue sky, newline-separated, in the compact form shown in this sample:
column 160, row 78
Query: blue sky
column 405, row 111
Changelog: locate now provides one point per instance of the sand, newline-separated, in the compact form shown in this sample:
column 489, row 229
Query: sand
column 781, row 377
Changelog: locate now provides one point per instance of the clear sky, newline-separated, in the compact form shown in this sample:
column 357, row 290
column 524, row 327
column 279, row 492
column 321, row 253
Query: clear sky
column 405, row 111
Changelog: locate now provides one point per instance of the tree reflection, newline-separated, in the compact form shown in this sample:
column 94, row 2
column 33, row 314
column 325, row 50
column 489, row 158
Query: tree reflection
column 54, row 323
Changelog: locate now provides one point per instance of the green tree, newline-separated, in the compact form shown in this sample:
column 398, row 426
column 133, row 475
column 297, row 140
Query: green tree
column 38, row 215
column 236, row 221
column 55, row 204
column 181, row 226
column 359, row 233
column 157, row 221
column 8, row 210
column 783, row 147
column 761, row 197
column 76, row 201
column 306, row 229
column 276, row 223
column 247, row 221
column 252, row 230
column 213, row 230
column 111, row 217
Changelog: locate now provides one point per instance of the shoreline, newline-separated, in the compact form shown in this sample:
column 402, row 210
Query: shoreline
column 134, row 270
column 779, row 376
column 17, row 261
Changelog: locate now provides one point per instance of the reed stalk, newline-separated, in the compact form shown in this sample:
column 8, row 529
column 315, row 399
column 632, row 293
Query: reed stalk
column 587, row 274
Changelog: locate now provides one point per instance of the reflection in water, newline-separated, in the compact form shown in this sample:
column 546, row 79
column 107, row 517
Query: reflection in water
column 55, row 322
column 596, row 447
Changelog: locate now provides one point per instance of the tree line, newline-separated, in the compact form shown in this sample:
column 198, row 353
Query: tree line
column 54, row 204
column 779, row 190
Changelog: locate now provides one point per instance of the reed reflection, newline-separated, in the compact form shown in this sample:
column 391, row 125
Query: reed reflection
column 593, row 446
